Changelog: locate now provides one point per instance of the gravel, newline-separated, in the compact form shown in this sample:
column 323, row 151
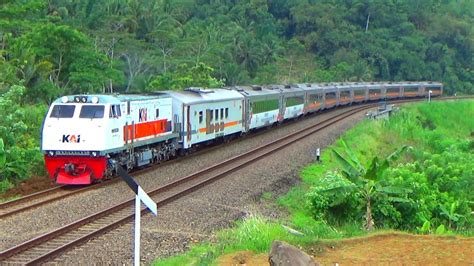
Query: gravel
column 195, row 217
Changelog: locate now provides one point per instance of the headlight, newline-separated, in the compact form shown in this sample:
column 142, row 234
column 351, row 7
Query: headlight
column 94, row 154
column 51, row 153
column 95, row 99
column 64, row 99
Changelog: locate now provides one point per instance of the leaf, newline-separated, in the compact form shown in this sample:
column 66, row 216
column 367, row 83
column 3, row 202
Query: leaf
column 350, row 171
column 373, row 169
column 3, row 156
column 425, row 228
column 398, row 199
column 392, row 190
column 349, row 152
column 396, row 154
column 440, row 229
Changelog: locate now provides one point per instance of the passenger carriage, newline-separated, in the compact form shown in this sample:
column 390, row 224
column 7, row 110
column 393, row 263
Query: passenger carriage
column 293, row 99
column 393, row 91
column 359, row 92
column 330, row 96
column 374, row 91
column 344, row 94
column 314, row 97
column 206, row 114
column 412, row 90
column 436, row 89
column 261, row 107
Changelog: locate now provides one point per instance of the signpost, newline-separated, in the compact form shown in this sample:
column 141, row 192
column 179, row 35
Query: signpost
column 429, row 95
column 140, row 196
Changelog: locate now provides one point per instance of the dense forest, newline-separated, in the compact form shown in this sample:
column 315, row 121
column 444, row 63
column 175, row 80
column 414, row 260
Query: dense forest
column 61, row 46
column 50, row 48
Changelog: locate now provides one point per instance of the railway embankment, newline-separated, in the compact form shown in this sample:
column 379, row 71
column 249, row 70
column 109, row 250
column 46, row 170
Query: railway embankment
column 425, row 189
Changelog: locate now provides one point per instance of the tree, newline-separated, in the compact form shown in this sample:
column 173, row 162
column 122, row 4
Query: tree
column 196, row 76
column 367, row 181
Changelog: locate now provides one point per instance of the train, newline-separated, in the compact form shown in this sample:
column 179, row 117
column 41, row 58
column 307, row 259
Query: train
column 85, row 137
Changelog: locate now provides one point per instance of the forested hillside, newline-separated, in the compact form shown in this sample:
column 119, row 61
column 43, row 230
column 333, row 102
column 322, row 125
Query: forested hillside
column 62, row 46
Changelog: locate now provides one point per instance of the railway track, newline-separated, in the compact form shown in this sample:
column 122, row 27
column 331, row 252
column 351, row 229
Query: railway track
column 49, row 245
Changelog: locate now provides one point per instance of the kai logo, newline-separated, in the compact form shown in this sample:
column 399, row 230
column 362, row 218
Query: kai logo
column 71, row 139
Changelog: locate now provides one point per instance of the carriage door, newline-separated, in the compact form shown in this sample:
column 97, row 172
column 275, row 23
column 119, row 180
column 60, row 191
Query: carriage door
column 188, row 123
column 246, row 113
column 208, row 121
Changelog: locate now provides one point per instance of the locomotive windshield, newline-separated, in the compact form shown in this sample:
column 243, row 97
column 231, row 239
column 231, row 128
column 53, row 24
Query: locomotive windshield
column 92, row 111
column 63, row 111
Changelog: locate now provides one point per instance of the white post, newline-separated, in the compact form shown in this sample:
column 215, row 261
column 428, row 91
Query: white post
column 429, row 95
column 137, row 229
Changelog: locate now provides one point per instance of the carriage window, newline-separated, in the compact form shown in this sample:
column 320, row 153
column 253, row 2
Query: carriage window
column 210, row 115
column 222, row 113
column 226, row 112
column 115, row 111
column 217, row 114
column 63, row 111
column 200, row 117
column 157, row 114
column 92, row 111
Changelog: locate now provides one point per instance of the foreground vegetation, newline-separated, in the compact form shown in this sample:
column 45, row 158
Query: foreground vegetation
column 426, row 190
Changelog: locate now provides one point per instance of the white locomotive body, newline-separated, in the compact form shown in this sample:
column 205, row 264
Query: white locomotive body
column 81, row 133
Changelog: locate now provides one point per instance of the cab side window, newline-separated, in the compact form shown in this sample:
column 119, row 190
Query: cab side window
column 115, row 111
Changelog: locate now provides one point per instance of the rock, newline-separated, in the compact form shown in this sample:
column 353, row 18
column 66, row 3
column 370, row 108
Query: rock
column 284, row 254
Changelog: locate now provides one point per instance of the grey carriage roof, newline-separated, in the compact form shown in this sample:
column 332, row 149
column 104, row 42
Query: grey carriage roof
column 256, row 90
column 198, row 95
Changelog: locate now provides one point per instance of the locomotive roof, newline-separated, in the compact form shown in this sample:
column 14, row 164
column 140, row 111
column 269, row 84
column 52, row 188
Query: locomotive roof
column 197, row 95
column 108, row 98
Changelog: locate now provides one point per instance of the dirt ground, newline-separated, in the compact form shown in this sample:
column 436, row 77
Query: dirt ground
column 29, row 186
column 384, row 249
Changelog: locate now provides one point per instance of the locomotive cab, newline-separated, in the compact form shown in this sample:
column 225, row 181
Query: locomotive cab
column 78, row 132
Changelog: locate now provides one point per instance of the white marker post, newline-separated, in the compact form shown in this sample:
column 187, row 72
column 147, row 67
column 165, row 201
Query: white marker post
column 140, row 196
column 429, row 95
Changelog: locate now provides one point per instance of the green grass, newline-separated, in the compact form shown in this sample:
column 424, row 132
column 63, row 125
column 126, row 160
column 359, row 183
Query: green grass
column 415, row 124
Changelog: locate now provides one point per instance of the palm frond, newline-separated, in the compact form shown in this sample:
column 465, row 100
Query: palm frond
column 352, row 156
column 349, row 170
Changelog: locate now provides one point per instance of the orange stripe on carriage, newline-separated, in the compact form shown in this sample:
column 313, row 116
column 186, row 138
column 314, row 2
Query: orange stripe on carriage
column 228, row 124
column 312, row 106
column 145, row 129
column 330, row 102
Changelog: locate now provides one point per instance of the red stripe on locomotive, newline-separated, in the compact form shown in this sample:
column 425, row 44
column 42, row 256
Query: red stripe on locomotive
column 146, row 129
